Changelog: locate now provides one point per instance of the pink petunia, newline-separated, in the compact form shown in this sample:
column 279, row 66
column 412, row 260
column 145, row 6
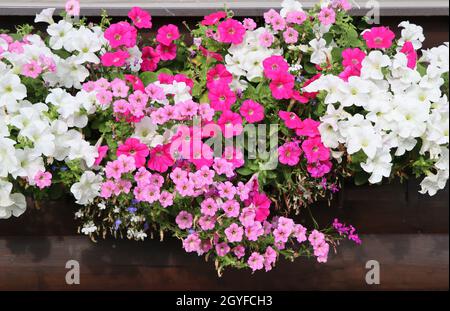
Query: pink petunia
column 275, row 66
column 266, row 39
column 166, row 199
column 121, row 34
column 108, row 188
column 116, row 59
column 234, row 155
column 222, row 249
column 256, row 262
column 234, row 233
column 230, row 123
column 270, row 16
column 282, row 86
column 250, row 24
column 134, row 148
column 43, row 179
column 279, row 23
column 31, row 69
column 221, row 97
column 73, row 7
column 184, row 220
column 290, row 36
column 289, row 154
column 167, row 52
column 411, row 54
column 160, row 158
column 239, row 251
column 140, row 18
column 168, row 34
column 379, row 38
column 119, row 88
column 214, row 18
column 327, row 16
column 296, row 17
column 252, row 111
column 231, row 208
column 231, row 31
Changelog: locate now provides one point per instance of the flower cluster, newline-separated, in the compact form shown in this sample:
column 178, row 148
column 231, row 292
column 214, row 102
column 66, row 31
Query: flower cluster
column 217, row 143
column 40, row 121
column 389, row 109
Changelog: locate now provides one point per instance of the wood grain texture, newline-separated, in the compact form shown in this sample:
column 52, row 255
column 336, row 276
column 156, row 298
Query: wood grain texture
column 417, row 262
column 389, row 209
column 201, row 7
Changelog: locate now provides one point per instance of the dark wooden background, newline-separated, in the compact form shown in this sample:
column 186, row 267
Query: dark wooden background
column 403, row 230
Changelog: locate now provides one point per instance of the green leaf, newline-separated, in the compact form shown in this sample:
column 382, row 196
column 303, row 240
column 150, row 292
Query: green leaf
column 361, row 178
column 148, row 77
column 245, row 171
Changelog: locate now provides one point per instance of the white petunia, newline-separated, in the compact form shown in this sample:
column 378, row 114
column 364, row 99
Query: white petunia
column 5, row 193
column 379, row 166
column 412, row 33
column 355, row 92
column 87, row 189
column 11, row 90
column 320, row 52
column 434, row 182
column 59, row 34
column 8, row 158
column 146, row 131
column 16, row 208
column 363, row 138
column 46, row 16
column 411, row 116
column 289, row 6
column 30, row 163
column 373, row 64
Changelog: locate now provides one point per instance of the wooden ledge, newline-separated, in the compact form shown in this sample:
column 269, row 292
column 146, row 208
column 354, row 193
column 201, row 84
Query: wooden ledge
column 202, row 7
column 407, row 262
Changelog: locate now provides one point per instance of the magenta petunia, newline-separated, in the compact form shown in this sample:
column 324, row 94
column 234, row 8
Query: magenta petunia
column 140, row 18
column 167, row 52
column 168, row 34
column 231, row 31
column 116, row 59
column 289, row 154
column 134, row 148
column 379, row 37
column 121, row 34
column 221, row 97
column 150, row 59
column 282, row 86
column 252, row 111
column 217, row 76
column 315, row 150
column 230, row 123
column 160, row 158
column 411, row 54
column 274, row 66
column 214, row 18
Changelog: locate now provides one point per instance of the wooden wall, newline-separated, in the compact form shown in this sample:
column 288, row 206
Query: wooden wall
column 403, row 230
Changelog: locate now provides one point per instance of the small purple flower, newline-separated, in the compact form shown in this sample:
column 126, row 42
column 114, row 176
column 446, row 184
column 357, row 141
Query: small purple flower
column 132, row 210
column 117, row 223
